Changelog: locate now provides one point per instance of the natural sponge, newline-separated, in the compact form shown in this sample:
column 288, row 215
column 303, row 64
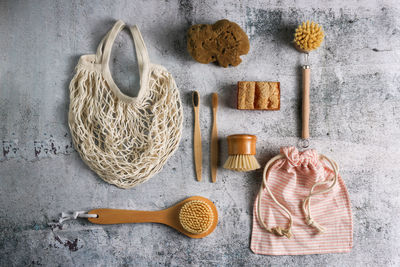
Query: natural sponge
column 223, row 42
column 308, row 36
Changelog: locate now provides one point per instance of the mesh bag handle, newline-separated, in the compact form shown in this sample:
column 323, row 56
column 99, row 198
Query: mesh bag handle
column 104, row 52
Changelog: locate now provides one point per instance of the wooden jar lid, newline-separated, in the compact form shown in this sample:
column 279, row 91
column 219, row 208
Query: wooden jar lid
column 242, row 144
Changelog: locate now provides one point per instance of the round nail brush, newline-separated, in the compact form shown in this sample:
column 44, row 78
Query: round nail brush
column 241, row 151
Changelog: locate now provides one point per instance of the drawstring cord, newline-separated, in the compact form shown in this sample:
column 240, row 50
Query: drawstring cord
column 307, row 201
column 279, row 231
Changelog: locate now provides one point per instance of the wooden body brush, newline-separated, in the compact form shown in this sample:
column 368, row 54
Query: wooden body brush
column 241, row 150
column 308, row 36
column 195, row 217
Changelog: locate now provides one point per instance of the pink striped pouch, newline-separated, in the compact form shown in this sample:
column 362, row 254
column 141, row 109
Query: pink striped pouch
column 303, row 207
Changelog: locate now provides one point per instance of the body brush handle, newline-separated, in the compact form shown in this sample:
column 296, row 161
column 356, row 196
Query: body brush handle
column 117, row 216
column 305, row 132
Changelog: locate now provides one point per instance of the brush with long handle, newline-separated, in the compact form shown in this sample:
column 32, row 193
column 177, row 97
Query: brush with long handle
column 214, row 139
column 198, row 158
column 195, row 216
column 308, row 36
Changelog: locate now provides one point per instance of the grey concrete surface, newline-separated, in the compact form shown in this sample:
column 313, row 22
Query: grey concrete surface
column 355, row 119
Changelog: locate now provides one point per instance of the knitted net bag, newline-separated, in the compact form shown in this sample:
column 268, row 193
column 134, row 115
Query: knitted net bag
column 125, row 140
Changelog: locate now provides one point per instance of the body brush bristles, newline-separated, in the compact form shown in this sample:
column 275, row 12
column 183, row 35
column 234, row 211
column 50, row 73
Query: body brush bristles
column 196, row 216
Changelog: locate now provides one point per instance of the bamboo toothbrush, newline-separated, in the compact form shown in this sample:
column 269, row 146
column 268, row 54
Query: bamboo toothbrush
column 214, row 139
column 197, row 136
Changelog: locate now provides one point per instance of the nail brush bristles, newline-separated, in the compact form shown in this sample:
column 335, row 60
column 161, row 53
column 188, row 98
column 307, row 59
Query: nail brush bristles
column 308, row 36
column 241, row 151
column 241, row 163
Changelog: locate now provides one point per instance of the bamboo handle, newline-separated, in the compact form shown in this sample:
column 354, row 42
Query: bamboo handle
column 197, row 145
column 117, row 216
column 214, row 147
column 305, row 133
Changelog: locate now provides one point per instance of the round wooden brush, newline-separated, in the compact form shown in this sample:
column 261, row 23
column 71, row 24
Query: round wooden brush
column 241, row 150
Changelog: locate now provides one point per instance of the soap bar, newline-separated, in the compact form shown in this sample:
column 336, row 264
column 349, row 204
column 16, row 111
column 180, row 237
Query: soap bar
column 258, row 95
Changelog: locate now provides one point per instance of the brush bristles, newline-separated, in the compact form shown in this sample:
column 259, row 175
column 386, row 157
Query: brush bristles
column 241, row 163
column 308, row 36
column 196, row 217
column 195, row 98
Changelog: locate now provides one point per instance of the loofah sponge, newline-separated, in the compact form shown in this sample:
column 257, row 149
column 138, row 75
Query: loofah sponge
column 223, row 42
column 258, row 95
column 196, row 216
column 308, row 36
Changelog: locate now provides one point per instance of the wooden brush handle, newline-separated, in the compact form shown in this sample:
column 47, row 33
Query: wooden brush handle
column 305, row 132
column 198, row 158
column 214, row 140
column 117, row 216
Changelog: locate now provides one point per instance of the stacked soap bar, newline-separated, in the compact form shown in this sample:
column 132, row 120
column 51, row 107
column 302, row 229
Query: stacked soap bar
column 259, row 95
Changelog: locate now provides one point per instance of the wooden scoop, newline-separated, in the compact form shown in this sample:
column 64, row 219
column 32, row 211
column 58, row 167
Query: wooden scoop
column 173, row 216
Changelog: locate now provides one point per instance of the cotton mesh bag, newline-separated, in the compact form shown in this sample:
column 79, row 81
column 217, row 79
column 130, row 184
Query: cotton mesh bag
column 302, row 207
column 125, row 140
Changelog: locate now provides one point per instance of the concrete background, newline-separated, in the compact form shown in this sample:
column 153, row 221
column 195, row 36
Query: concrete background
column 355, row 119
